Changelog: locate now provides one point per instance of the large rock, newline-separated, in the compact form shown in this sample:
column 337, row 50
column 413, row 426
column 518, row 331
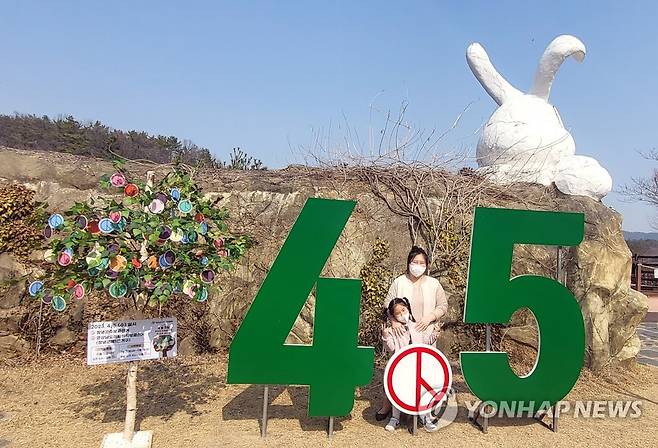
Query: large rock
column 265, row 204
column 186, row 346
column 598, row 273
column 64, row 337
column 12, row 345
column 12, row 281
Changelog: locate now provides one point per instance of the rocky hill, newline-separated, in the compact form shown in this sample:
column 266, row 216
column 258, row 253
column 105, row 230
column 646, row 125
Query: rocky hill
column 266, row 203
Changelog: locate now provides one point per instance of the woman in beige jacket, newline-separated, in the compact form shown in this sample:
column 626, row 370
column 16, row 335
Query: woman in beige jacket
column 426, row 297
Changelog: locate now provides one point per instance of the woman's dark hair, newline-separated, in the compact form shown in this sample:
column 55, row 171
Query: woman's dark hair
column 399, row 301
column 415, row 250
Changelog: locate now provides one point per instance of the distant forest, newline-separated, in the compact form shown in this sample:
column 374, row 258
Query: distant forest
column 66, row 134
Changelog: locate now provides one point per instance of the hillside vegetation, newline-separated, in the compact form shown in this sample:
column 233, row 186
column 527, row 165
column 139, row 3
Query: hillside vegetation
column 66, row 134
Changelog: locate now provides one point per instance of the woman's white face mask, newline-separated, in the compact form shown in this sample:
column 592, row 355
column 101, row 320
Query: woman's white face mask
column 417, row 269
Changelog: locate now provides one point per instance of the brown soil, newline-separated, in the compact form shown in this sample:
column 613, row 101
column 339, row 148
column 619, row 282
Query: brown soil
column 60, row 402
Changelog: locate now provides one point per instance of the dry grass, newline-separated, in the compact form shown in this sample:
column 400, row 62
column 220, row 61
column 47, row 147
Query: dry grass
column 60, row 402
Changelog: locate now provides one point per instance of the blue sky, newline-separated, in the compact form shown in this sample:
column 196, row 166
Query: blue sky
column 266, row 76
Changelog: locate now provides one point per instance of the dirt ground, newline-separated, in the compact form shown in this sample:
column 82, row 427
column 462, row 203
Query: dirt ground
column 60, row 402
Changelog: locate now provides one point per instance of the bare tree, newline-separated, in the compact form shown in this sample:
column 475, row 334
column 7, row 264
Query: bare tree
column 644, row 189
column 434, row 190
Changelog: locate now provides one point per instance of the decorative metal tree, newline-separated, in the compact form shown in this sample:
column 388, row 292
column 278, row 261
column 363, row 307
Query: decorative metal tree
column 144, row 244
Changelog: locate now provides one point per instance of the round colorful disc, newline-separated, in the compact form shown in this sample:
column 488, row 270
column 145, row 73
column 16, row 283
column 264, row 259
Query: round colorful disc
column 165, row 232
column 176, row 235
column 185, row 206
column 121, row 225
column 58, row 303
column 56, row 221
column 35, row 287
column 188, row 287
column 93, row 227
column 131, row 190
column 170, row 257
column 64, row 259
column 47, row 298
column 161, row 197
column 163, row 262
column 78, row 291
column 49, row 255
column 115, row 216
column 106, row 225
column 118, row 180
column 118, row 263
column 207, row 275
column 201, row 295
column 81, row 221
column 156, row 206
column 118, row 290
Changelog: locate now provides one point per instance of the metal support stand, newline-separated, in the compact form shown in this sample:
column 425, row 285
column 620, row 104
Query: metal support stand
column 485, row 419
column 484, row 426
column 558, row 276
column 330, row 430
column 414, row 429
column 558, row 267
column 540, row 418
column 263, row 430
column 555, row 418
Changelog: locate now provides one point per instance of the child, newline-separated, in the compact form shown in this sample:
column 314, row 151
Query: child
column 400, row 310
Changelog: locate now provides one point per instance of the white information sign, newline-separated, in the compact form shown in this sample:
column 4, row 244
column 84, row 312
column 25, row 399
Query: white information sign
column 130, row 340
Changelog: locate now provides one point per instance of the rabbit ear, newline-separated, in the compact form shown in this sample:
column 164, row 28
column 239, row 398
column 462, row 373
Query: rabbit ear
column 557, row 51
column 496, row 86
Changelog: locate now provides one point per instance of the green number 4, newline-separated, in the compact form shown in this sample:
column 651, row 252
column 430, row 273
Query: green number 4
column 334, row 365
column 492, row 297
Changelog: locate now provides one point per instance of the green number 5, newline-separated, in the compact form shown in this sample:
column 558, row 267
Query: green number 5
column 492, row 297
column 333, row 366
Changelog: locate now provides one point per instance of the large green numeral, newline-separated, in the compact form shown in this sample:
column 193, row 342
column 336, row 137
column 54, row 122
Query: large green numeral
column 334, row 365
column 492, row 298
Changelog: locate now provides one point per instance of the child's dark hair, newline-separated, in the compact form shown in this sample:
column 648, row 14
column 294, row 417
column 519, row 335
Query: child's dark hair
column 398, row 301
column 415, row 250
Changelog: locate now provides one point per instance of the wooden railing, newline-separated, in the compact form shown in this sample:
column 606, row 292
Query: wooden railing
column 644, row 273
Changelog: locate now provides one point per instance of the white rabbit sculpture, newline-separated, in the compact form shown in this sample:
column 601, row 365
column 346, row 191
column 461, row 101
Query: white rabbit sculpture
column 525, row 140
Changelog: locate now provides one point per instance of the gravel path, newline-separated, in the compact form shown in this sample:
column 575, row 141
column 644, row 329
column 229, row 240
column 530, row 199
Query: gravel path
column 648, row 332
